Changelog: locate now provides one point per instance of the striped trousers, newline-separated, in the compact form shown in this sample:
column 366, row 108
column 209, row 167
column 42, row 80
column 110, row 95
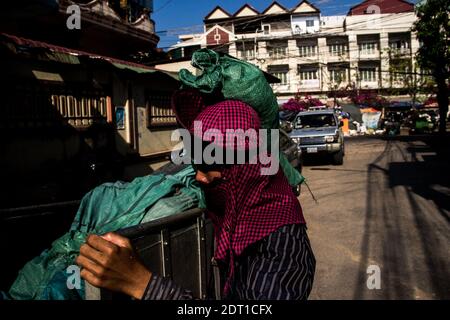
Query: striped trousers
column 279, row 267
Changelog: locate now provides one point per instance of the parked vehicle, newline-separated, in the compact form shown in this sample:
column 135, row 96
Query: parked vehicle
column 318, row 108
column 319, row 132
column 287, row 115
column 286, row 118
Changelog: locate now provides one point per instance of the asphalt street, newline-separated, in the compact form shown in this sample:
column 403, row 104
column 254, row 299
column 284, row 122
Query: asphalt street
column 387, row 206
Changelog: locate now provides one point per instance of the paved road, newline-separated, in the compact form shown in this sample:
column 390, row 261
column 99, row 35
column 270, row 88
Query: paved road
column 388, row 205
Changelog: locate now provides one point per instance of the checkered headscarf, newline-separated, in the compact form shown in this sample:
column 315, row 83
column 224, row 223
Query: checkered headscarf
column 233, row 120
column 245, row 206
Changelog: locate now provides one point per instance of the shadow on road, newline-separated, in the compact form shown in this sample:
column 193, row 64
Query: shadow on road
column 407, row 227
column 316, row 160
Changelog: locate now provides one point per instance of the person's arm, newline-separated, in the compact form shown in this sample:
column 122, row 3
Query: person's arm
column 110, row 262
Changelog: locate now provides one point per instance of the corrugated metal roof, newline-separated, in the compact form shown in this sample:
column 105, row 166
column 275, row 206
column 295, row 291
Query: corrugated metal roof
column 67, row 55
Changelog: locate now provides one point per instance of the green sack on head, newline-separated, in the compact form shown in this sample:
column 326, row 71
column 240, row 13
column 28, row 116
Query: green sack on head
column 236, row 79
column 240, row 80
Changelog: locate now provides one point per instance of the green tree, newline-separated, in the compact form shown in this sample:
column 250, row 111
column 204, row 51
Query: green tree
column 406, row 74
column 433, row 31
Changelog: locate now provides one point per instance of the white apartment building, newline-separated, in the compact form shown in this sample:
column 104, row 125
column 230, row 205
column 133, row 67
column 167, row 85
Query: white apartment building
column 316, row 54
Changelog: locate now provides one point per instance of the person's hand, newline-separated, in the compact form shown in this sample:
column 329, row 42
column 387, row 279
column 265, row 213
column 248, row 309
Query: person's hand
column 110, row 262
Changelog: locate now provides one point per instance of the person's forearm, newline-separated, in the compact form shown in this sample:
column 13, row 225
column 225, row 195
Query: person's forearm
column 160, row 288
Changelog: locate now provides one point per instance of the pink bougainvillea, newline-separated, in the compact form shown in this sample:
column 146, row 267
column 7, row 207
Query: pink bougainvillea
column 370, row 100
column 301, row 103
column 293, row 105
column 312, row 102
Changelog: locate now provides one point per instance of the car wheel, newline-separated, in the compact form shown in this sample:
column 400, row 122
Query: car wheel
column 338, row 158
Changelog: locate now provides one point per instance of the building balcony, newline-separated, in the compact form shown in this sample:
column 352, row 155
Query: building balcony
column 99, row 12
column 282, row 88
column 103, row 30
column 249, row 56
column 397, row 84
column 308, row 58
column 370, row 84
column 308, row 85
column 269, row 36
column 374, row 55
column 261, row 36
column 272, row 60
column 399, row 52
column 277, row 56
column 336, row 86
column 337, row 58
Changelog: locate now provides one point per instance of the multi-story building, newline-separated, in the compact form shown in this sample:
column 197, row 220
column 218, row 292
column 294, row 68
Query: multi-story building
column 372, row 47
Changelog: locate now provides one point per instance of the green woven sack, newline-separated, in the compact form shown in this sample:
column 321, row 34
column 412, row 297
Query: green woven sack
column 236, row 79
column 108, row 207
column 240, row 80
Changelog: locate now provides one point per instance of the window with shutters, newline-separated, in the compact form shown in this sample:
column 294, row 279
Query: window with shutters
column 277, row 49
column 159, row 110
column 37, row 106
column 368, row 74
column 367, row 48
column 338, row 49
column 308, row 51
column 279, row 71
column 338, row 75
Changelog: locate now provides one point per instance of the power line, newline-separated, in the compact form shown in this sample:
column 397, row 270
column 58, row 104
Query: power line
column 179, row 30
column 163, row 6
column 345, row 65
column 245, row 20
column 321, row 34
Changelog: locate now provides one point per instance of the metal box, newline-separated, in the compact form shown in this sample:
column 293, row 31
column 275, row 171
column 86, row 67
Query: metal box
column 179, row 247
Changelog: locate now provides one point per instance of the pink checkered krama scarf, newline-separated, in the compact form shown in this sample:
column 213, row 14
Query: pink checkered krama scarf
column 245, row 205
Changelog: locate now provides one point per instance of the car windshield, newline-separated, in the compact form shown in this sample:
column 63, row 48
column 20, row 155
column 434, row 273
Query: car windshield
column 315, row 121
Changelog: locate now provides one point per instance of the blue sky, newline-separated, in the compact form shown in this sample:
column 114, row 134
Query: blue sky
column 174, row 17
